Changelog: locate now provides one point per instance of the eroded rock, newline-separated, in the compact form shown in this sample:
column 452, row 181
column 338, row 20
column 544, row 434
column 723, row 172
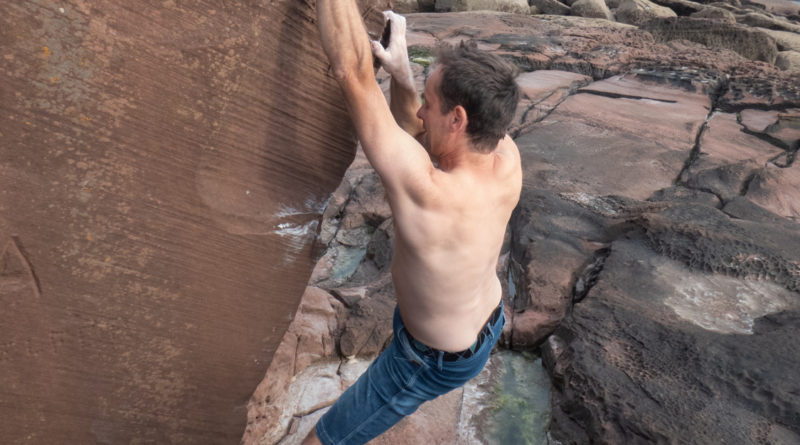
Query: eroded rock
column 636, row 348
column 750, row 43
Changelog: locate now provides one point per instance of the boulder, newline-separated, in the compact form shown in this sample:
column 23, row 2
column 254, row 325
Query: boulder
column 163, row 174
column 726, row 6
column 405, row 6
column 592, row 9
column 778, row 7
column 551, row 7
column 513, row 6
column 759, row 20
column 686, row 7
column 748, row 42
column 637, row 12
column 310, row 339
column 786, row 41
column 427, row 5
column 714, row 13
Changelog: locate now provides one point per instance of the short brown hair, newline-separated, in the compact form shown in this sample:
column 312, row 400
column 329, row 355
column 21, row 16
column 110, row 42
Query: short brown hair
column 484, row 85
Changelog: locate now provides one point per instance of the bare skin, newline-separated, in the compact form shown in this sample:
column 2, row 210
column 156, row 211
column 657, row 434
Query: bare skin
column 449, row 217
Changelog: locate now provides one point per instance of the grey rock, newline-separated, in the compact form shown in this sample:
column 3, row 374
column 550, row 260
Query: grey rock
column 513, row 6
column 714, row 13
column 748, row 42
column 637, row 12
column 788, row 61
column 592, row 9
column 551, row 7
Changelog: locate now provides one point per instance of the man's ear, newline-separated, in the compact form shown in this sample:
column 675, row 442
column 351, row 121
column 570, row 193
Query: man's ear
column 458, row 119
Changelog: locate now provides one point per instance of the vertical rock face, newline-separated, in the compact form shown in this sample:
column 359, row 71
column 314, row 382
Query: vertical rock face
column 163, row 168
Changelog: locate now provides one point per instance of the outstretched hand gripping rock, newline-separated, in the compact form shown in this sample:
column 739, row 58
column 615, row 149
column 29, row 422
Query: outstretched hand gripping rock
column 394, row 57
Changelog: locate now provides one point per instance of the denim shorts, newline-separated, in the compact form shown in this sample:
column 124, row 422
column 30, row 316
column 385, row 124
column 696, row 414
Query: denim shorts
column 402, row 378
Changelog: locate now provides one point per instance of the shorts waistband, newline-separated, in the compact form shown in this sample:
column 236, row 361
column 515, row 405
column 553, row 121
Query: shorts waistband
column 466, row 353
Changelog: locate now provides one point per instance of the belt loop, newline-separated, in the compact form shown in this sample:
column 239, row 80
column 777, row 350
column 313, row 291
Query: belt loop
column 440, row 357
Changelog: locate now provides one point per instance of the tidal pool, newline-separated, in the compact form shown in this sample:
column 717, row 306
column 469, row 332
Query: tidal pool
column 520, row 405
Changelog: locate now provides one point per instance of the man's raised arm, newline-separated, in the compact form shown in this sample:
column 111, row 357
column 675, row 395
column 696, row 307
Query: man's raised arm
column 404, row 97
column 401, row 162
column 344, row 39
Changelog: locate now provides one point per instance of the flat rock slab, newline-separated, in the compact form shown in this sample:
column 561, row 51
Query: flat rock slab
column 537, row 85
column 614, row 139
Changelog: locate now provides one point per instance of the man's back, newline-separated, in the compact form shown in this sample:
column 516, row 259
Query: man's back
column 447, row 246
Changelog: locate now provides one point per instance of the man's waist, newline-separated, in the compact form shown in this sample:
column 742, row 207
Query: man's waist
column 424, row 349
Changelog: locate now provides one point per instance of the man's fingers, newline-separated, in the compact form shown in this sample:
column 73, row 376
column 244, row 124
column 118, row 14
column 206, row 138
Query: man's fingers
column 378, row 50
column 398, row 22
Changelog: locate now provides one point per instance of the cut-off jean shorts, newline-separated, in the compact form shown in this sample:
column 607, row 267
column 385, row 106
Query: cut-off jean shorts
column 402, row 378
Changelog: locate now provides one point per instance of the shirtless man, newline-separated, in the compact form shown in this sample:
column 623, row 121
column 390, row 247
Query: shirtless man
column 451, row 197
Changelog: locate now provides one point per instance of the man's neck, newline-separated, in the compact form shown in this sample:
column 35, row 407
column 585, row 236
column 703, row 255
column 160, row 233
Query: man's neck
column 463, row 156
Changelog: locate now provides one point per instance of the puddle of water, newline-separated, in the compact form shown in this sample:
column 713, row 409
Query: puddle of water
column 520, row 410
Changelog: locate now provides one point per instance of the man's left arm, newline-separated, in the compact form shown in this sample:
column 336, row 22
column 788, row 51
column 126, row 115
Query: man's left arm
column 405, row 100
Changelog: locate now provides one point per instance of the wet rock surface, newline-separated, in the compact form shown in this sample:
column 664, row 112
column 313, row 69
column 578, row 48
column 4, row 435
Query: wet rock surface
column 653, row 258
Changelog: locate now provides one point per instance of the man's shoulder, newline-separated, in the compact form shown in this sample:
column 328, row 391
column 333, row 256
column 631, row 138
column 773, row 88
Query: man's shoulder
column 508, row 149
column 508, row 163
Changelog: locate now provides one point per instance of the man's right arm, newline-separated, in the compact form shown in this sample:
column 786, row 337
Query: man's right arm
column 402, row 163
column 405, row 100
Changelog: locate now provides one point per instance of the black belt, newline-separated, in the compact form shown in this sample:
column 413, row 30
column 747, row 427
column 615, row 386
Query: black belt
column 453, row 356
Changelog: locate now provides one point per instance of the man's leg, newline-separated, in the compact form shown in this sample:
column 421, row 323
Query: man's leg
column 380, row 398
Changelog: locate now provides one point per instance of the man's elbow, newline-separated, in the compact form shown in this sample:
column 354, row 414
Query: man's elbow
column 352, row 75
column 343, row 73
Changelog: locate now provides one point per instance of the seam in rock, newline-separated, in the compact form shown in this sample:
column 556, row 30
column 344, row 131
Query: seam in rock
column 589, row 275
column 340, row 214
column 694, row 154
column 792, row 155
column 296, row 352
column 792, row 149
column 746, row 183
column 334, row 292
column 736, row 108
column 313, row 409
column 572, row 90
column 767, row 138
column 625, row 96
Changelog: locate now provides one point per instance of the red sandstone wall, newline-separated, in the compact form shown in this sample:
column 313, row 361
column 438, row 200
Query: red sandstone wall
column 162, row 166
